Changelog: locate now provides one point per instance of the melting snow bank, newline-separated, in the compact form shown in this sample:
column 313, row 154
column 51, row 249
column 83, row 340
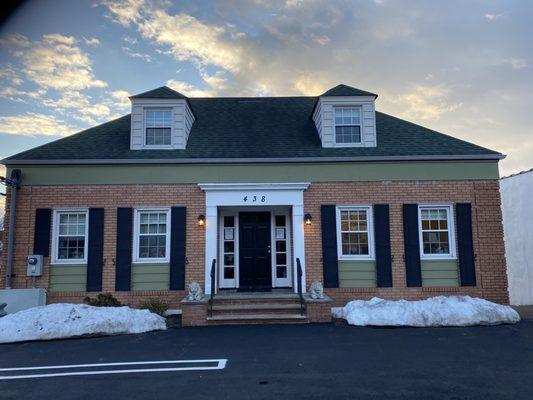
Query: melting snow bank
column 56, row 321
column 435, row 311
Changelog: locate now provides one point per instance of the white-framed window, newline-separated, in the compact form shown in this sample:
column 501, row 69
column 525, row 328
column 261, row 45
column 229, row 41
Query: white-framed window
column 436, row 231
column 70, row 236
column 151, row 236
column 281, row 245
column 228, row 261
column 355, row 233
column 347, row 125
column 158, row 127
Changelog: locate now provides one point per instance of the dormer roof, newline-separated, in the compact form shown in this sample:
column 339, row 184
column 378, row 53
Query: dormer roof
column 345, row 90
column 163, row 92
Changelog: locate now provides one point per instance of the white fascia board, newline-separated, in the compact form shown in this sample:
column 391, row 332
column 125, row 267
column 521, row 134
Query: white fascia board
column 253, row 186
column 348, row 99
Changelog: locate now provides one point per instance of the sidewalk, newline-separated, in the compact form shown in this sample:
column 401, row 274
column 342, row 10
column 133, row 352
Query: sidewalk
column 526, row 312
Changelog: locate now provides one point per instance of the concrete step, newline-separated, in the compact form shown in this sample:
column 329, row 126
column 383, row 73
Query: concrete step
column 244, row 319
column 259, row 306
column 256, row 309
column 256, row 300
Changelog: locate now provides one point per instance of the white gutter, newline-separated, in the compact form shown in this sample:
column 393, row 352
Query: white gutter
column 468, row 157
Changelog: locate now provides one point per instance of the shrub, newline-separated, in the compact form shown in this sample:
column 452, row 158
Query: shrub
column 103, row 300
column 157, row 306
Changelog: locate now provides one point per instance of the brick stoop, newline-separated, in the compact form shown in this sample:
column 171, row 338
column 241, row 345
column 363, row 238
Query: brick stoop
column 281, row 307
column 260, row 308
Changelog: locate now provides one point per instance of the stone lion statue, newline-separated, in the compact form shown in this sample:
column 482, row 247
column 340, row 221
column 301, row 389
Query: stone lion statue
column 195, row 292
column 317, row 290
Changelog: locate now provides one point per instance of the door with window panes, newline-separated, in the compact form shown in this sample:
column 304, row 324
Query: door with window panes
column 228, row 260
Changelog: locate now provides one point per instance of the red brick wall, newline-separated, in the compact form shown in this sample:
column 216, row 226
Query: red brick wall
column 483, row 195
column 110, row 197
column 487, row 231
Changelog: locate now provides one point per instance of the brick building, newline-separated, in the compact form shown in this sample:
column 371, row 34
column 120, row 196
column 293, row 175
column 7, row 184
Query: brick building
column 269, row 195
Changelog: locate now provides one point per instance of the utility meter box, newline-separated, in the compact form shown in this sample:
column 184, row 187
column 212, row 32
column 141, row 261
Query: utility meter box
column 35, row 265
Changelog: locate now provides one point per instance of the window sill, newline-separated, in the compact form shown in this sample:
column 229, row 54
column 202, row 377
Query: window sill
column 158, row 147
column 359, row 144
column 444, row 258
column 69, row 263
column 348, row 258
column 151, row 261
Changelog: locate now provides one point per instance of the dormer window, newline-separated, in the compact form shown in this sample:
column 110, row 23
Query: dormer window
column 161, row 119
column 347, row 125
column 158, row 127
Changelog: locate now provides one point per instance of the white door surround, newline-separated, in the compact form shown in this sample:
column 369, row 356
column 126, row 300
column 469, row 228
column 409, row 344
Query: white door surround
column 249, row 195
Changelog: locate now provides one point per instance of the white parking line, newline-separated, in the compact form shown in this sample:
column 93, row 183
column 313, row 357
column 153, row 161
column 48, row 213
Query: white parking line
column 220, row 364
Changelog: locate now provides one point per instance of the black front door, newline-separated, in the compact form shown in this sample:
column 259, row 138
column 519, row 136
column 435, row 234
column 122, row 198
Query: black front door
column 255, row 268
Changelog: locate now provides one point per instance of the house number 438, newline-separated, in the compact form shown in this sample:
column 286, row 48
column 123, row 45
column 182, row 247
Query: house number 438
column 254, row 199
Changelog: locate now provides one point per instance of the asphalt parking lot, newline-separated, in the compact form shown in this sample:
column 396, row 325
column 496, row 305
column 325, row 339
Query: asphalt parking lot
column 317, row 361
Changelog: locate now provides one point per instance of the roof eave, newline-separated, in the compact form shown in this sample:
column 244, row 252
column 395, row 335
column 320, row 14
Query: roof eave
column 464, row 157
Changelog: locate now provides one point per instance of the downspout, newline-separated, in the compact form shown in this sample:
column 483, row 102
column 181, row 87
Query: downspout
column 14, row 185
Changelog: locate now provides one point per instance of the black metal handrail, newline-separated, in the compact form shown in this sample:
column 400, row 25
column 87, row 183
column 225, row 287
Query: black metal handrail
column 212, row 294
column 299, row 274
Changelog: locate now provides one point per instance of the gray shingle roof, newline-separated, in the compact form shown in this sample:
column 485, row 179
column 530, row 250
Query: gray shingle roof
column 345, row 90
column 163, row 92
column 273, row 127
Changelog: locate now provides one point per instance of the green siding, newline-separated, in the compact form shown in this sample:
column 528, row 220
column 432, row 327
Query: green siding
column 150, row 276
column 357, row 274
column 238, row 173
column 68, row 278
column 440, row 273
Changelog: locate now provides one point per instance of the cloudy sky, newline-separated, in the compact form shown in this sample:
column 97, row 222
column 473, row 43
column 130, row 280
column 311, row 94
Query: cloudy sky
column 460, row 67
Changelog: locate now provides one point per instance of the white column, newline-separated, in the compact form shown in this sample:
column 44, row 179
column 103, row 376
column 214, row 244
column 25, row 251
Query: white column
column 210, row 245
column 298, row 244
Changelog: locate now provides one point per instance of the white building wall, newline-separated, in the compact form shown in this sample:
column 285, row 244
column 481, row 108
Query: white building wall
column 517, row 209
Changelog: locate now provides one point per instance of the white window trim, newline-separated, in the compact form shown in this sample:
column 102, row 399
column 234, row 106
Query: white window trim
column 222, row 282
column 55, row 237
column 281, row 282
column 136, row 230
column 451, row 233
column 158, row 146
column 370, row 223
column 353, row 144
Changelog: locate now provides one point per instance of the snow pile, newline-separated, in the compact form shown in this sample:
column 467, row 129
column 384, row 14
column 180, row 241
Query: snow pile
column 435, row 311
column 56, row 321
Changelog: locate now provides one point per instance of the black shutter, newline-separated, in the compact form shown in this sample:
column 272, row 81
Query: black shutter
column 383, row 247
column 329, row 246
column 124, row 249
column 41, row 233
column 95, row 254
column 411, row 244
column 465, row 244
column 178, row 226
